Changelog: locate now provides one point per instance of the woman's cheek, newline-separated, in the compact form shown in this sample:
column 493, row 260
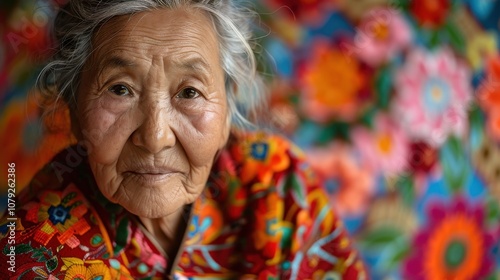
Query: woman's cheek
column 207, row 135
column 105, row 132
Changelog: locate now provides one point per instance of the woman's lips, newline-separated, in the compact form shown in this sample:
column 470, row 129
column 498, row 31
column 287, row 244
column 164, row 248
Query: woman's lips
column 151, row 174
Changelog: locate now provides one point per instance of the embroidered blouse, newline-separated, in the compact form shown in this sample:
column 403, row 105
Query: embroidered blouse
column 262, row 215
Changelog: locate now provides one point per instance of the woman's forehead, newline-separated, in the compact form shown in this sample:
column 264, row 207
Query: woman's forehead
column 178, row 34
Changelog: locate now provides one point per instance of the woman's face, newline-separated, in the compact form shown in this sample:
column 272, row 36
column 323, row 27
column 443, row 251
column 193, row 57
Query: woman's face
column 151, row 109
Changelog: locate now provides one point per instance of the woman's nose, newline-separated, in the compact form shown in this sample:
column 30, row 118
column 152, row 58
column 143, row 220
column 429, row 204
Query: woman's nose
column 154, row 133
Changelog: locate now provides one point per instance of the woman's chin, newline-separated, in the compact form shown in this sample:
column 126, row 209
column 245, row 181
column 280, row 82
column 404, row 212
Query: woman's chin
column 150, row 200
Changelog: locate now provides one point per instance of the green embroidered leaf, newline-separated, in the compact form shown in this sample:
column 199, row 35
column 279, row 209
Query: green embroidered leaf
column 434, row 39
column 286, row 240
column 49, row 252
column 51, row 264
column 24, row 248
column 396, row 254
column 38, row 255
column 335, row 130
column 491, row 277
column 379, row 238
column 368, row 117
column 406, row 189
column 456, row 38
column 76, row 204
column 20, row 248
column 476, row 130
column 493, row 211
column 399, row 4
column 455, row 164
column 383, row 85
column 68, row 198
column 6, row 249
column 297, row 190
column 121, row 235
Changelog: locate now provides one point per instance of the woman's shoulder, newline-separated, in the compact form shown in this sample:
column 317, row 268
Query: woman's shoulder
column 260, row 168
column 289, row 220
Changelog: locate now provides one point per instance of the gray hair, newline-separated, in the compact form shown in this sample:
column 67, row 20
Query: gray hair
column 76, row 23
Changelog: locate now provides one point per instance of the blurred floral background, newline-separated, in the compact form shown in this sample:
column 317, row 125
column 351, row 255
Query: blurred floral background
column 396, row 103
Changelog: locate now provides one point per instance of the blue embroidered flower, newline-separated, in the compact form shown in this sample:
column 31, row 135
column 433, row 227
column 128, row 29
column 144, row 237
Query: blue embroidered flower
column 58, row 214
column 259, row 150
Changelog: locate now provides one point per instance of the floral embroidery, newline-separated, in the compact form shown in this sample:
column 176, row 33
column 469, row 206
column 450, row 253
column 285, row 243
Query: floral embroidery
column 385, row 149
column 454, row 245
column 280, row 214
column 433, row 92
column 76, row 269
column 268, row 232
column 381, row 35
column 348, row 185
column 59, row 213
column 262, row 157
column 333, row 84
column 206, row 223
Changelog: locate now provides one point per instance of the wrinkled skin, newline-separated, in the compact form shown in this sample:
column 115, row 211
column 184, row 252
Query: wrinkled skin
column 152, row 113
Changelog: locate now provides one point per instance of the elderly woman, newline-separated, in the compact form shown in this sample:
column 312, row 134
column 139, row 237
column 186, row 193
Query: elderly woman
column 165, row 181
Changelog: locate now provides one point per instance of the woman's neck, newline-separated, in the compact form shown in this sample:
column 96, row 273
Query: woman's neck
column 168, row 231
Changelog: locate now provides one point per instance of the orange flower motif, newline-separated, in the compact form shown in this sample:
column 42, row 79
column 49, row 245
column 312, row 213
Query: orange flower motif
column 442, row 244
column 333, row 85
column 456, row 244
column 261, row 157
column 61, row 213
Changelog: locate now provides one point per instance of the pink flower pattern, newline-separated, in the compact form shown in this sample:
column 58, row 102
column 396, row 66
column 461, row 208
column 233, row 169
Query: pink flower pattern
column 384, row 149
column 433, row 92
column 381, row 35
column 349, row 186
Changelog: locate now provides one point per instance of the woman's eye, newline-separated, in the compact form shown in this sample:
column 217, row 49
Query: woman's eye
column 119, row 90
column 188, row 93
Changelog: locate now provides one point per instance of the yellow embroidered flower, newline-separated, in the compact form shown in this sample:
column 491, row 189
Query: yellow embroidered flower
column 77, row 269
